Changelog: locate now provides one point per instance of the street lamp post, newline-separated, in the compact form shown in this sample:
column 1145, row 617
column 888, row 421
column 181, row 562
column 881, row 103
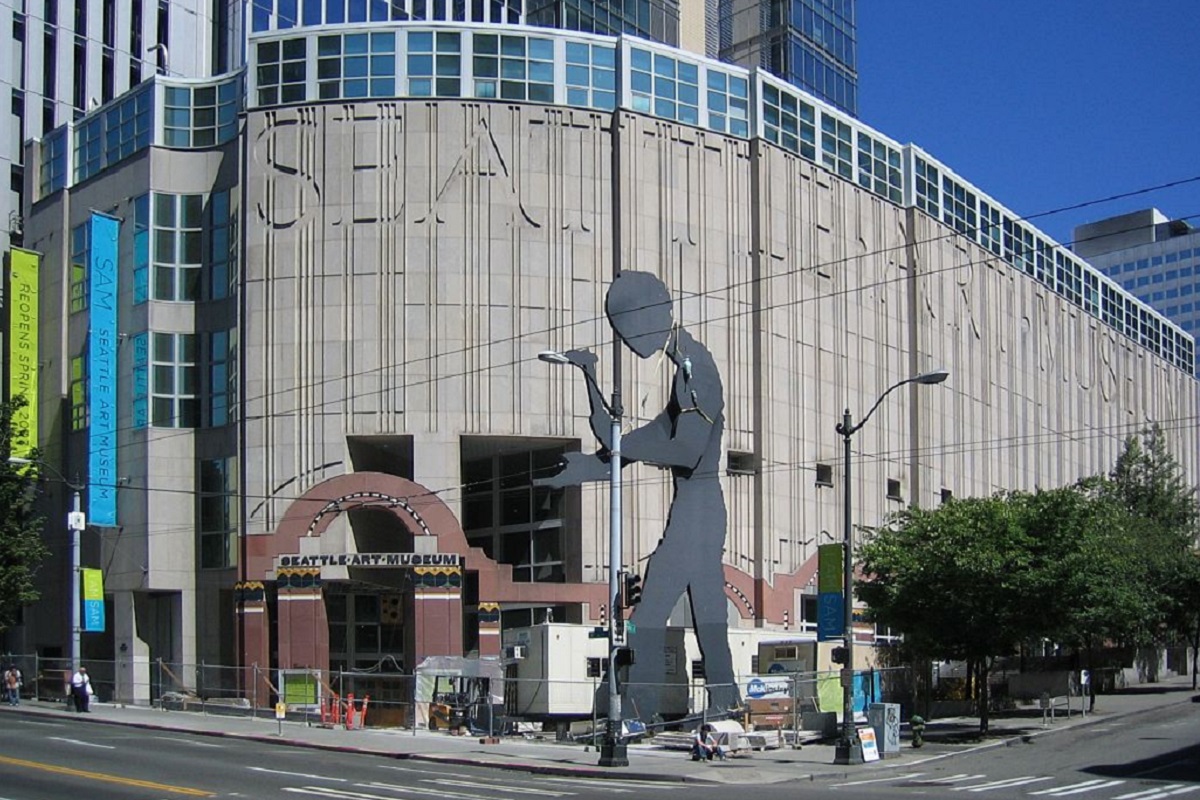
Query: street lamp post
column 849, row 748
column 613, row 752
column 76, row 523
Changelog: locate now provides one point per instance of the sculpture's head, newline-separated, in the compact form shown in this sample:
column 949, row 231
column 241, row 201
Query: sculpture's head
column 639, row 309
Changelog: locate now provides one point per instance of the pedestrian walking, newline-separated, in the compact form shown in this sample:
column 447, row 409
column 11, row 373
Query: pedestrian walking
column 12, row 685
column 81, row 690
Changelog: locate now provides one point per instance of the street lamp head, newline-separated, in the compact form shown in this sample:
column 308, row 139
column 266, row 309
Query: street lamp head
column 935, row 376
column 553, row 357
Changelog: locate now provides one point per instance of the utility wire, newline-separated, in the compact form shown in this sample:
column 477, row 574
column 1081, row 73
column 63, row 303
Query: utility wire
column 308, row 388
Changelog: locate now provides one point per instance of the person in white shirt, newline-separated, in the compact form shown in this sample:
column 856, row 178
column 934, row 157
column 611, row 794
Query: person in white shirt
column 12, row 685
column 704, row 745
column 81, row 689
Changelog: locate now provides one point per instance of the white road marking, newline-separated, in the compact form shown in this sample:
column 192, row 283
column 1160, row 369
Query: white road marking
column 618, row 785
column 1007, row 783
column 881, row 780
column 297, row 774
column 425, row 792
column 188, row 741
column 414, row 769
column 503, row 789
column 962, row 776
column 1159, row 792
column 82, row 743
column 334, row 793
column 1076, row 788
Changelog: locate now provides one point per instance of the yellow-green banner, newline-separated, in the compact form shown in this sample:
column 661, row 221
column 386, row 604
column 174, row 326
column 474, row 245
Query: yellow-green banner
column 93, row 600
column 23, row 347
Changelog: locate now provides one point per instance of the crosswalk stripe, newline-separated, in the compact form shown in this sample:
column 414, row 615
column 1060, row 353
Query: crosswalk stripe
column 1007, row 783
column 618, row 785
column 882, row 780
column 502, row 789
column 1072, row 786
column 1156, row 792
column 336, row 794
column 410, row 790
column 962, row 776
column 1090, row 786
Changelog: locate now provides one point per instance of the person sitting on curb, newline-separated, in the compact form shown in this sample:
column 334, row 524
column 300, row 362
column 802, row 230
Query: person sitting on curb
column 704, row 745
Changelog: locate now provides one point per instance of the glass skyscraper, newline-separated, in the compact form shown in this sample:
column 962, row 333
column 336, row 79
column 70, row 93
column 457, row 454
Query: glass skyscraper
column 809, row 43
column 657, row 20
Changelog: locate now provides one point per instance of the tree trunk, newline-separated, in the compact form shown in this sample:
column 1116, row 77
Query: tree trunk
column 1195, row 651
column 981, row 678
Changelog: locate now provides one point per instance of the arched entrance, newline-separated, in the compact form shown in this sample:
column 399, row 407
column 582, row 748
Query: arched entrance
column 434, row 617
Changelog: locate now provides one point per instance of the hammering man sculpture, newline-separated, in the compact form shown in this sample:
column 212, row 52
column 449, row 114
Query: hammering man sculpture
column 686, row 438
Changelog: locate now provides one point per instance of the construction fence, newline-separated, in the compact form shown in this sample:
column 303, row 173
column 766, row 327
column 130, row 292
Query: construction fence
column 447, row 700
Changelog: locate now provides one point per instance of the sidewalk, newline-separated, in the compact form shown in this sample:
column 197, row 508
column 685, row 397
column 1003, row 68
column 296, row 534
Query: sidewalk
column 646, row 762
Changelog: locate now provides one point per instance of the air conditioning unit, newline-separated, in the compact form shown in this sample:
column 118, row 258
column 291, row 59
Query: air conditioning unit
column 516, row 651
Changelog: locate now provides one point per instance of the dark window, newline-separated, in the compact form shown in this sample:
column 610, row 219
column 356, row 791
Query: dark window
column 824, row 475
column 18, row 30
column 698, row 670
column 947, row 495
column 135, row 42
column 49, row 64
column 107, row 76
column 79, row 75
column 741, row 463
column 164, row 34
column 109, row 23
column 893, row 489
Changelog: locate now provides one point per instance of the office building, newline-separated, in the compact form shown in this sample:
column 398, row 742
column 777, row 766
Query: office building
column 329, row 277
column 67, row 59
column 1153, row 257
column 809, row 43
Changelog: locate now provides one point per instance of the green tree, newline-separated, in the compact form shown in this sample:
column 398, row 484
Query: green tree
column 956, row 581
column 1150, row 485
column 21, row 547
column 1092, row 575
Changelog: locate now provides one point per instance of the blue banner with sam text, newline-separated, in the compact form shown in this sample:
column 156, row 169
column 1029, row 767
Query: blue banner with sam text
column 102, row 371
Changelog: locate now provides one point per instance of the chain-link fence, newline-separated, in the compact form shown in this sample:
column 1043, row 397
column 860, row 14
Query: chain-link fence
column 564, row 707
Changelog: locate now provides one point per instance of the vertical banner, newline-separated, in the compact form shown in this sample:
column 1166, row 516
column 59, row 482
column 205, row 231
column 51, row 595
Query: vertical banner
column 831, row 615
column 93, row 600
column 23, row 348
column 102, row 371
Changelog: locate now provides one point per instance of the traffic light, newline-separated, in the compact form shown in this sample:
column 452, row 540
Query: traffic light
column 623, row 657
column 631, row 590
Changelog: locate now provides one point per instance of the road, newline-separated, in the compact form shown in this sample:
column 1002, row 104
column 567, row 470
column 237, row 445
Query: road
column 1148, row 756
column 1152, row 756
column 51, row 759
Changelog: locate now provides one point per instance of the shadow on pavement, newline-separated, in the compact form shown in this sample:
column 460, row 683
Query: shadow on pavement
column 1177, row 765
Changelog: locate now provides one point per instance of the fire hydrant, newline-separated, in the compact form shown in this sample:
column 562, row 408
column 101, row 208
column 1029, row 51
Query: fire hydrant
column 917, row 724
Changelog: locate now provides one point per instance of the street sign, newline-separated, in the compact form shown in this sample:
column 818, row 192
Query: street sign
column 597, row 633
column 281, row 711
column 630, row 627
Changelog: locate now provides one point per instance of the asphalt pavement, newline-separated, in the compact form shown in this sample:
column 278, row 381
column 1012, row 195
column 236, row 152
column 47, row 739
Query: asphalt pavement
column 647, row 760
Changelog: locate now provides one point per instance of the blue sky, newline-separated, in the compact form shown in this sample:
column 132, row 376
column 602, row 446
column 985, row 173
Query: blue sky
column 1042, row 103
